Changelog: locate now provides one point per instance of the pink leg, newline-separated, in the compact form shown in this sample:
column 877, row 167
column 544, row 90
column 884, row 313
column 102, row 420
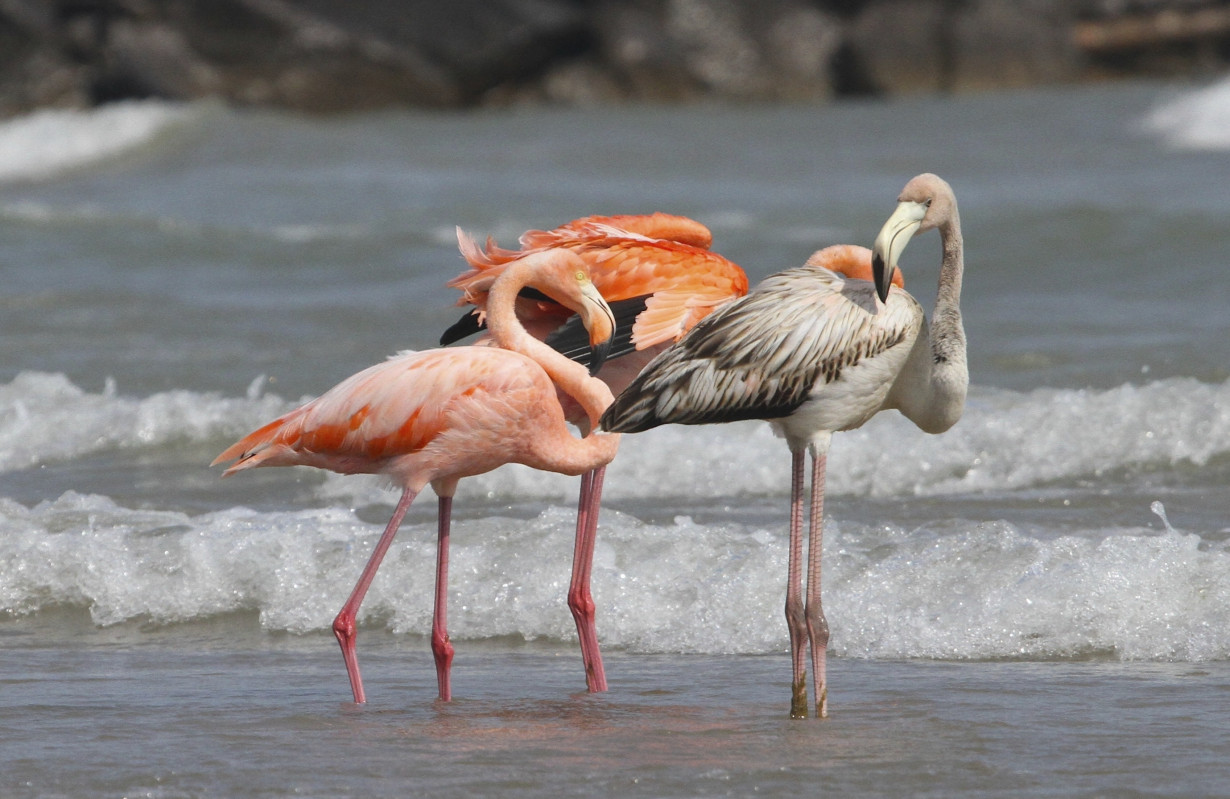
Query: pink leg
column 795, row 616
column 817, row 625
column 344, row 625
column 580, row 599
column 441, row 648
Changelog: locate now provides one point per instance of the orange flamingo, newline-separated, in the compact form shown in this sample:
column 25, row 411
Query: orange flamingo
column 440, row 415
column 658, row 274
column 656, row 271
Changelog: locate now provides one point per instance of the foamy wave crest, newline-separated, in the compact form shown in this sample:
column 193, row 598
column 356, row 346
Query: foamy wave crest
column 975, row 591
column 994, row 591
column 1198, row 120
column 987, row 590
column 1006, row 440
column 45, row 418
column 46, row 143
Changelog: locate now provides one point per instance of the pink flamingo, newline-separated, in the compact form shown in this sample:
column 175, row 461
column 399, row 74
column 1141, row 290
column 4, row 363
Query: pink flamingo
column 440, row 415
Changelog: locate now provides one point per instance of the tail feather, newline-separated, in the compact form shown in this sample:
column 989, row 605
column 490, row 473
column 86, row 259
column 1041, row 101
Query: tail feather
column 485, row 266
column 475, row 255
column 256, row 447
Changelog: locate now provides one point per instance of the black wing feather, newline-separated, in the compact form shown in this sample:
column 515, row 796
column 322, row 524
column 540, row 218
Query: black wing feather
column 572, row 340
column 468, row 325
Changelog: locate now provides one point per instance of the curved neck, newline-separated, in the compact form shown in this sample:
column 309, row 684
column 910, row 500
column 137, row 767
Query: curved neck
column 949, row 378
column 508, row 332
column 947, row 332
column 953, row 259
column 931, row 389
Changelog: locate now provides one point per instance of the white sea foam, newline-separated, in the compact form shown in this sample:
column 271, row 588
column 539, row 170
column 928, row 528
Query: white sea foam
column 1006, row 440
column 995, row 591
column 979, row 590
column 1198, row 120
column 49, row 142
column 45, row 418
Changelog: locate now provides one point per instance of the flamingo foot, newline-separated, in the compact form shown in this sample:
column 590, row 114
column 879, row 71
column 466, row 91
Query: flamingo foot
column 584, row 612
column 346, row 632
column 798, row 698
column 580, row 598
column 442, row 649
column 344, row 627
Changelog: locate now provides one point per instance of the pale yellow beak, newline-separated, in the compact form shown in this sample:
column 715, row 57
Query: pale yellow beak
column 891, row 241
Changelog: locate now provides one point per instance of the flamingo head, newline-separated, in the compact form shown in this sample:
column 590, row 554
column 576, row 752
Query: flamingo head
column 923, row 204
column 567, row 281
column 598, row 319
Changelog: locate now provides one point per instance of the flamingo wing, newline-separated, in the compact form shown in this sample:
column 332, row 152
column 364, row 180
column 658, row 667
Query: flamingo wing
column 393, row 409
column 586, row 231
column 658, row 259
column 657, row 225
column 762, row 356
column 572, row 339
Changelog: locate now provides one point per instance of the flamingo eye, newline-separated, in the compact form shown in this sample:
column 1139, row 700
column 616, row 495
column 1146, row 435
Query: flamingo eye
column 581, row 276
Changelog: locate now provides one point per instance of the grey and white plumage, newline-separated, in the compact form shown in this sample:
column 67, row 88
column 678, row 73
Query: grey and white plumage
column 815, row 350
column 778, row 352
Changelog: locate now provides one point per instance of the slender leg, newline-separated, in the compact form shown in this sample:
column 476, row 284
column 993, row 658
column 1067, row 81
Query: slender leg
column 817, row 625
column 795, row 616
column 344, row 625
column 441, row 647
column 580, row 599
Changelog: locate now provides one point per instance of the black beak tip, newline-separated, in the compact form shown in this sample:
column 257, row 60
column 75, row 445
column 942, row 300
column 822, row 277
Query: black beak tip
column 598, row 355
column 879, row 271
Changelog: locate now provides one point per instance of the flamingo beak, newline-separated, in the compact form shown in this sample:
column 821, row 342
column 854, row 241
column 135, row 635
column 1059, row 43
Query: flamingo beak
column 891, row 241
column 599, row 320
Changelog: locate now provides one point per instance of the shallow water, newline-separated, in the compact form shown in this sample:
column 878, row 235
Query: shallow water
column 1034, row 603
column 241, row 713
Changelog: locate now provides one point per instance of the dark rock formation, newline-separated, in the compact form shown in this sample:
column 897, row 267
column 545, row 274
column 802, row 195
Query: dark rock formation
column 341, row 55
column 964, row 44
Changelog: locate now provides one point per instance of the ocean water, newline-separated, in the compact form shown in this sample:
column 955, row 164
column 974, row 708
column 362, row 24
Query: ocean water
column 1036, row 603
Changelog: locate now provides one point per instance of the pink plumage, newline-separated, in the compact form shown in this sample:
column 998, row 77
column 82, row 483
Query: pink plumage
column 441, row 415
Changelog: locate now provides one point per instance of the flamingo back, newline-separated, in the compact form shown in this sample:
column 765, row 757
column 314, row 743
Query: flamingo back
column 657, row 225
column 661, row 259
column 802, row 334
column 418, row 417
column 850, row 260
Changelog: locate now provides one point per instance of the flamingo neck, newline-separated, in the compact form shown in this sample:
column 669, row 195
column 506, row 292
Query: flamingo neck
column 948, row 375
column 931, row 389
column 948, row 333
column 571, row 377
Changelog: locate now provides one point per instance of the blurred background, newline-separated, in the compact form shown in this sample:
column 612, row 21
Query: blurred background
column 328, row 56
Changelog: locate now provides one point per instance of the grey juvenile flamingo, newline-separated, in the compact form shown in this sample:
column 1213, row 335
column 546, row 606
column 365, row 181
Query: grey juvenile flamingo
column 814, row 350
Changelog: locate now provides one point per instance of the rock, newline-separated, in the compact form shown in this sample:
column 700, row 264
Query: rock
column 152, row 59
column 774, row 49
column 951, row 45
column 35, row 69
column 348, row 55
